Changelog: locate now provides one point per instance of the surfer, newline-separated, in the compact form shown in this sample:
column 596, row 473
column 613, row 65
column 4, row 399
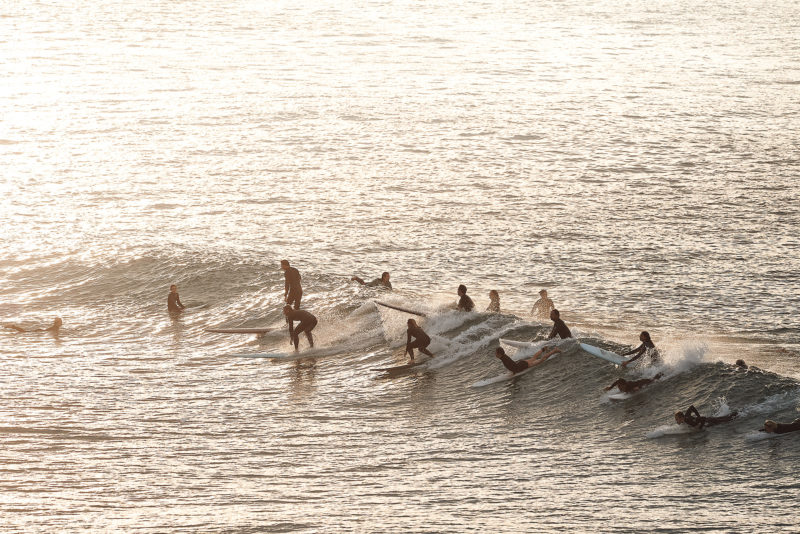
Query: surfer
column 421, row 340
column 518, row 366
column 55, row 327
column 559, row 327
column 293, row 292
column 307, row 324
column 494, row 301
column 693, row 418
column 632, row 386
column 543, row 306
column 174, row 303
column 647, row 347
column 383, row 281
column 741, row 364
column 773, row 427
column 464, row 303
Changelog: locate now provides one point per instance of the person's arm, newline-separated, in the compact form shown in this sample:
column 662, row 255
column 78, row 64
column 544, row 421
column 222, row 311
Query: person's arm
column 640, row 348
column 357, row 279
column 692, row 410
column 15, row 327
column 178, row 302
column 553, row 332
column 612, row 386
column 641, row 352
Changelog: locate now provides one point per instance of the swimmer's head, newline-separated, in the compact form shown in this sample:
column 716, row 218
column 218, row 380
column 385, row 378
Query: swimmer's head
column 411, row 322
column 57, row 322
column 385, row 276
column 284, row 264
column 679, row 418
column 499, row 352
column 173, row 288
column 770, row 426
column 645, row 336
column 462, row 289
column 287, row 310
column 554, row 315
column 543, row 293
column 740, row 363
column 494, row 295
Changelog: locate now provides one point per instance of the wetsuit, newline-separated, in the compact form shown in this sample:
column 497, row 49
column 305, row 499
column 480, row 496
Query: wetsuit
column 559, row 329
column 293, row 290
column 693, row 418
column 465, row 303
column 379, row 282
column 174, row 302
column 645, row 348
column 511, row 365
column 543, row 307
column 307, row 323
column 783, row 428
column 630, row 386
column 421, row 340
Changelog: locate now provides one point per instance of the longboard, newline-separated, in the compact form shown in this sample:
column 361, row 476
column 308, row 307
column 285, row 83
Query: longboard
column 517, row 344
column 310, row 353
column 399, row 368
column 398, row 308
column 508, row 375
column 606, row 355
column 239, row 330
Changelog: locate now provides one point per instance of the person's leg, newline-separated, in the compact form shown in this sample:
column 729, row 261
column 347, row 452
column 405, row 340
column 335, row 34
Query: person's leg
column 308, row 333
column 414, row 345
column 298, row 296
column 302, row 327
column 424, row 349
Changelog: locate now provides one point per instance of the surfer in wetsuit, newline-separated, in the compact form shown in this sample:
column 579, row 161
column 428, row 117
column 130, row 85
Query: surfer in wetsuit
column 55, row 327
column 740, row 364
column 543, row 306
column 494, row 301
column 293, row 292
column 632, row 386
column 307, row 324
column 518, row 366
column 693, row 418
column 464, row 303
column 773, row 427
column 383, row 281
column 421, row 340
column 647, row 347
column 559, row 327
column 174, row 303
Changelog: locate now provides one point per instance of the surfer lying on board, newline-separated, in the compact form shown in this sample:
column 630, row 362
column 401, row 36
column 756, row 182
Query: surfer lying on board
column 174, row 300
column 307, row 324
column 693, row 418
column 421, row 340
column 632, row 386
column 383, row 281
column 559, row 327
column 772, row 427
column 519, row 366
column 292, row 290
column 647, row 347
column 464, row 302
column 494, row 302
column 57, row 322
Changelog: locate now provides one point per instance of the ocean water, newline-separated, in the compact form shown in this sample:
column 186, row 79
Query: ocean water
column 638, row 160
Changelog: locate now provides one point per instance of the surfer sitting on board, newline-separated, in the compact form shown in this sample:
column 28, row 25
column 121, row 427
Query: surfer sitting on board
column 543, row 306
column 632, row 386
column 292, row 292
column 494, row 301
column 647, row 347
column 383, row 281
column 307, row 324
column 519, row 366
column 421, row 340
column 559, row 327
column 464, row 303
column 772, row 427
column 57, row 322
column 693, row 418
column 174, row 300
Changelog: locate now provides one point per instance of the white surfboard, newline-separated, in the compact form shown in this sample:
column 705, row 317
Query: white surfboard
column 508, row 375
column 277, row 355
column 606, row 355
column 401, row 368
column 398, row 308
column 239, row 330
column 517, row 344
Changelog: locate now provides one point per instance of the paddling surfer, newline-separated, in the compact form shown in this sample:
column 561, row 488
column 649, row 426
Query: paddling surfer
column 174, row 303
column 307, row 323
column 464, row 302
column 543, row 306
column 647, row 347
column 560, row 328
column 772, row 427
column 383, row 281
column 518, row 366
column 693, row 418
column 293, row 291
column 632, row 386
column 494, row 302
column 55, row 327
column 421, row 340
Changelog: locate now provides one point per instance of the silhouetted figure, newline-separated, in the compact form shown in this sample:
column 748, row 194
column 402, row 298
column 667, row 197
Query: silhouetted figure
column 307, row 324
column 647, row 347
column 464, row 302
column 741, row 364
column 773, row 427
column 494, row 302
column 632, row 386
column 421, row 340
column 55, row 327
column 559, row 327
column 293, row 291
column 174, row 303
column 383, row 281
column 518, row 366
column 693, row 418
column 543, row 306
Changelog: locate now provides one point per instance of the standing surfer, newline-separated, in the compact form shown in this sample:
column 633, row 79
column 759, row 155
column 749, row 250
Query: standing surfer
column 647, row 347
column 464, row 302
column 174, row 303
column 559, row 327
column 293, row 292
column 543, row 306
column 518, row 366
column 307, row 324
column 494, row 301
column 383, row 281
column 421, row 340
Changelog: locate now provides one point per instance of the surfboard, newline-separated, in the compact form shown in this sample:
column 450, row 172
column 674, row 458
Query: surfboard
column 606, row 355
column 239, row 330
column 508, row 375
column 517, row 344
column 277, row 355
column 398, row 308
column 400, row 368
